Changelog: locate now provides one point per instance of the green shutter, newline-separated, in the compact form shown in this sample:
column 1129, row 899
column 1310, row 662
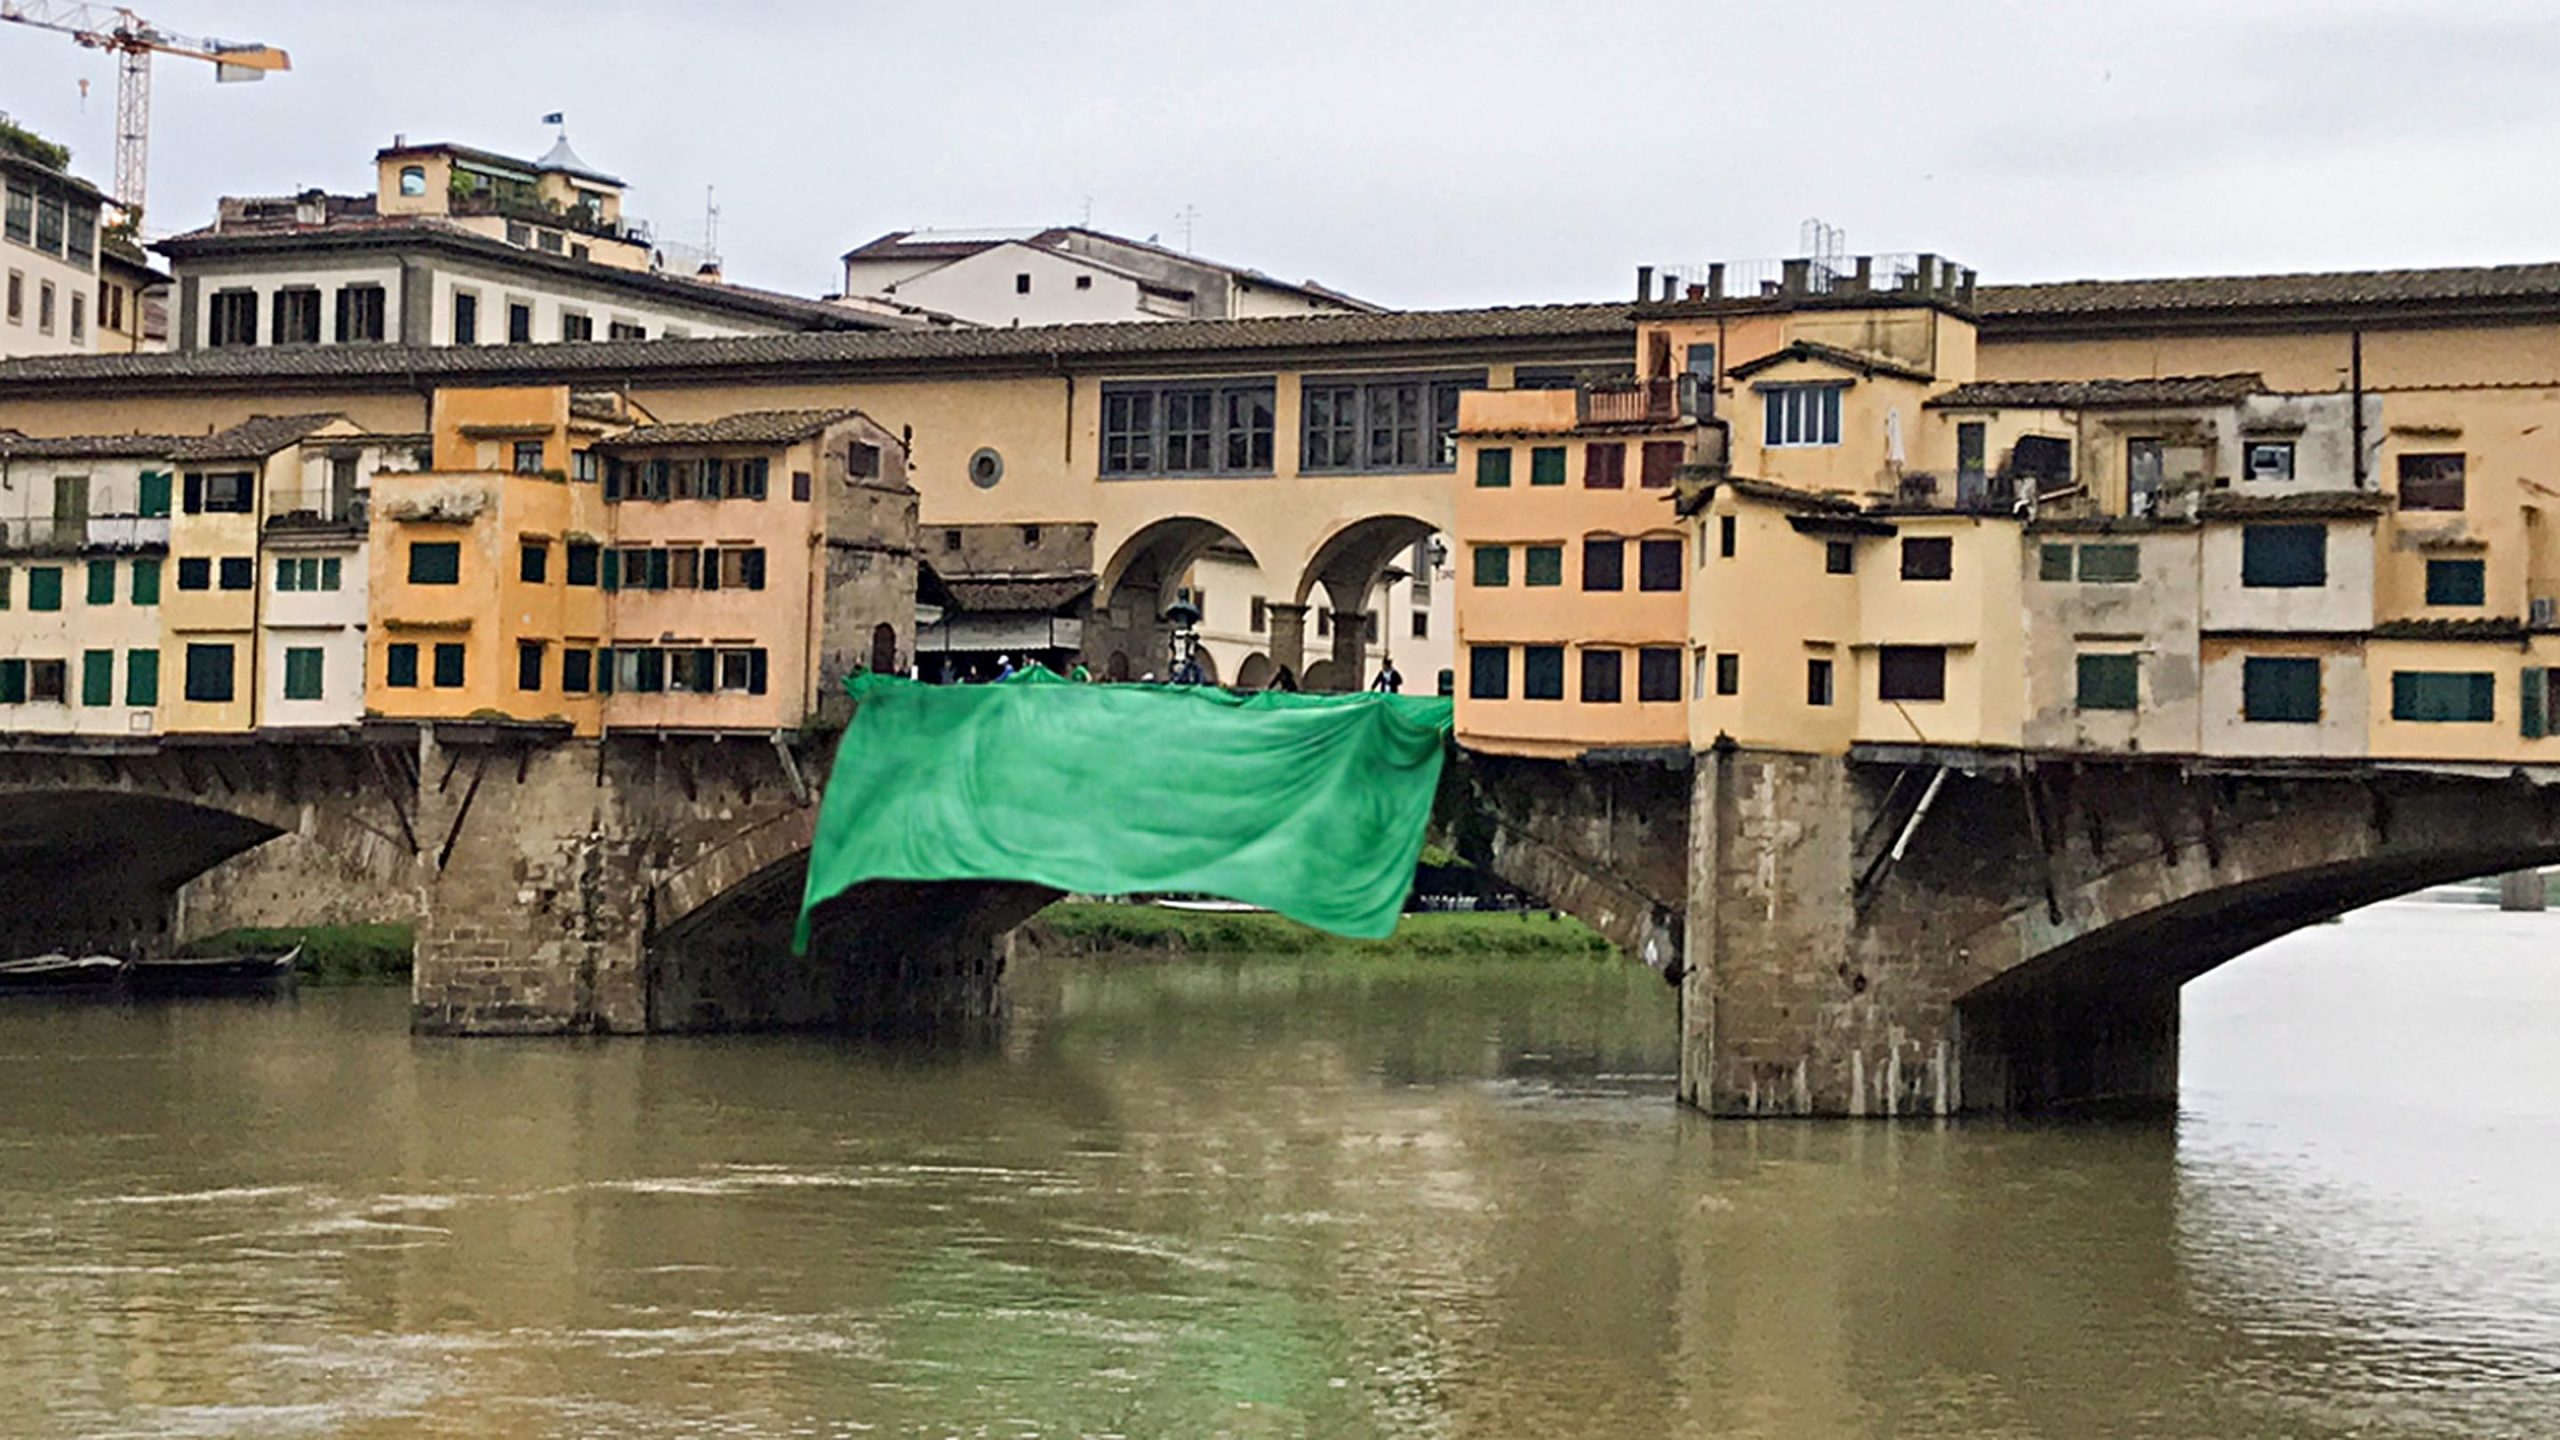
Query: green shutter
column 2535, row 697
column 284, row 574
column 142, row 677
column 1493, row 468
column 146, row 582
column 302, row 674
column 1493, row 566
column 2280, row 689
column 44, row 587
column 4, row 587
column 102, row 582
column 1545, row 566
column 2109, row 682
column 2284, row 556
column 97, row 678
column 2053, row 562
column 13, row 682
column 2110, row 564
column 1546, row 465
column 155, row 494
column 400, row 666
column 2444, row 696
column 2456, row 582
column 330, row 573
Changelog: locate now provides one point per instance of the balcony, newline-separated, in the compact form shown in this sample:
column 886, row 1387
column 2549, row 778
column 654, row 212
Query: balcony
column 317, row 512
column 48, row 535
column 1671, row 400
column 534, row 212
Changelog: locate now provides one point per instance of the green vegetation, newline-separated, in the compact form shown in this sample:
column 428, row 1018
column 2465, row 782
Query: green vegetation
column 25, row 142
column 331, row 954
column 1086, row 928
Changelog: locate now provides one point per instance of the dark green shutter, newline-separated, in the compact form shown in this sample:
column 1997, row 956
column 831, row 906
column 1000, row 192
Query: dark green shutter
column 658, row 569
column 1493, row 468
column 2109, row 682
column 2053, row 562
column 97, row 678
column 2535, row 697
column 146, row 582
column 1546, row 465
column 44, row 588
column 102, row 582
column 142, row 677
column 1493, row 566
column 13, row 682
column 155, row 494
column 755, row 672
column 609, row 568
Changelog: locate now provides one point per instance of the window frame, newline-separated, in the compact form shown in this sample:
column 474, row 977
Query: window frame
column 2107, row 681
column 1138, row 433
column 1603, row 675
column 1380, row 405
column 2414, row 693
column 2443, row 588
column 2273, row 669
column 1899, row 668
column 1801, row 415
column 2265, row 566
column 1915, row 562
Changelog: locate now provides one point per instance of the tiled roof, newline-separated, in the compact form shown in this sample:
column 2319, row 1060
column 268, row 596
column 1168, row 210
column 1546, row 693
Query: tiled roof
column 255, row 438
column 1017, row 593
column 2099, row 394
column 2485, row 628
column 1040, row 346
column 1858, row 360
column 2308, row 504
column 14, row 446
column 752, row 427
column 1689, row 500
column 1995, row 303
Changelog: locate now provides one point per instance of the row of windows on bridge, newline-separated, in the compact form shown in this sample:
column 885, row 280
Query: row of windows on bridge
column 587, row 669
column 1604, row 564
column 1604, row 465
column 588, row 564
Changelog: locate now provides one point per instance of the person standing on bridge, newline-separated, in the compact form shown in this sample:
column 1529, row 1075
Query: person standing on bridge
column 1388, row 682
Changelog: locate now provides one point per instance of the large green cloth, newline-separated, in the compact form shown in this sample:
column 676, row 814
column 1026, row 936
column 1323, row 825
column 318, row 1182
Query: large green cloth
column 1310, row 805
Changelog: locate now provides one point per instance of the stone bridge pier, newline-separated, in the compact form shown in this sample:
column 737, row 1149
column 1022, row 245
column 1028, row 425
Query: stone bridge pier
column 1914, row 933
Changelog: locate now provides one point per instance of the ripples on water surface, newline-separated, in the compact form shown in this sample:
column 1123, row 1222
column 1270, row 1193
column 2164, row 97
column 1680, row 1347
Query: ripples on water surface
column 1285, row 1197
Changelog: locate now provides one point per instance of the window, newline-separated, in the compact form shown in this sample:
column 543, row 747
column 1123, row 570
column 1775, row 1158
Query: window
column 1839, row 557
column 2109, row 682
column 533, row 562
column 1728, row 674
column 2284, row 556
column 582, row 562
column 1662, row 463
column 1021, row 284
column 17, row 297
column 2456, row 697
column 80, row 235
column 1911, row 672
column 1493, row 566
column 1817, row 681
column 360, row 314
column 1259, row 618
column 1970, row 469
column 209, row 674
column 528, row 457
column 575, row 327
column 2053, row 562
column 142, row 677
column 22, row 214
column 44, row 306
column 519, row 323
column 529, row 665
column 2456, row 582
column 742, row 670
column 740, row 569
column 1182, row 429
column 236, row 572
column 550, row 242
column 145, row 588
column 1488, row 672
column 1928, row 557
column 155, row 494
column 1084, row 282
column 44, row 587
column 626, row 330
column 1405, row 422
column 2268, row 459
column 2431, row 482
column 302, row 673
column 466, row 318
column 1604, row 564
column 79, row 317
column 413, row 180
column 519, row 233
column 1546, row 465
column 1657, row 675
column 307, row 573
column 577, row 671
column 862, row 460
column 97, row 678
column 195, row 572
column 229, row 492
column 2110, row 564
column 585, row 466
column 1544, row 565
column 1421, row 624
column 49, row 224
column 448, row 662
column 1542, row 672
column 2280, row 689
column 400, row 666
column 48, row 681
column 435, row 562
column 1658, row 564
column 297, row 316
column 102, row 582
column 1799, row 415
column 685, row 569
column 1604, row 466
column 1493, row 468
column 1728, row 535
column 232, row 318
column 1601, row 677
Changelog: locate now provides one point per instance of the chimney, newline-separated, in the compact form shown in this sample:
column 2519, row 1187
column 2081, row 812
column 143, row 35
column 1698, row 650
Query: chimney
column 1795, row 277
column 709, row 271
column 1670, row 286
column 399, row 139
column 1964, row 287
column 1644, row 283
column 1866, row 275
column 1715, row 280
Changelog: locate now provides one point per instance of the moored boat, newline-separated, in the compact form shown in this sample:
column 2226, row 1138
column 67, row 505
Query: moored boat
column 212, row 974
column 61, row 972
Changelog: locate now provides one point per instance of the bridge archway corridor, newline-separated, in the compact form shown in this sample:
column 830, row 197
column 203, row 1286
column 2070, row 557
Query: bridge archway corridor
column 98, row 872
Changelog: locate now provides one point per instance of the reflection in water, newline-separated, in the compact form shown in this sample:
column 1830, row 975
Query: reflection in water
column 1281, row 1197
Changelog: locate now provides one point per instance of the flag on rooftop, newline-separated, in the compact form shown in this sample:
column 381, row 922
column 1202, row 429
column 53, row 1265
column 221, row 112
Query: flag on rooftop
column 556, row 117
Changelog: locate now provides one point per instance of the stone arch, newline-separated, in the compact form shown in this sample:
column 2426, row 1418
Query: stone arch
column 1256, row 673
column 1348, row 564
column 1138, row 582
column 884, row 649
column 91, row 868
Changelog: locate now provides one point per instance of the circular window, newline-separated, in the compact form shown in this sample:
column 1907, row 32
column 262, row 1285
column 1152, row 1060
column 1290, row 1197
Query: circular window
column 413, row 180
column 986, row 468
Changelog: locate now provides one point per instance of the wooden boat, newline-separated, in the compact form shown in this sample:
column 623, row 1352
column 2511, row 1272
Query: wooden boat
column 61, row 972
column 212, row 974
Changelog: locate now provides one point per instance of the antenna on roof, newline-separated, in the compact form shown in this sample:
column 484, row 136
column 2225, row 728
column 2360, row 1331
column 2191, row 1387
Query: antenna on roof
column 710, row 223
column 1186, row 215
column 1823, row 244
column 1088, row 212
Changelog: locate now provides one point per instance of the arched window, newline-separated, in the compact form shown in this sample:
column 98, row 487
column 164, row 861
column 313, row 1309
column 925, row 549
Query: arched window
column 413, row 179
column 884, row 649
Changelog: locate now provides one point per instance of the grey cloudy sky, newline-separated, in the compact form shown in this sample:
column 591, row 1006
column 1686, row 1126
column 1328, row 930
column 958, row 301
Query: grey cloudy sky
column 1423, row 155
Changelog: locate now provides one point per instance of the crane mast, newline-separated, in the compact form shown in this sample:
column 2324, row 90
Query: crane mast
column 133, row 41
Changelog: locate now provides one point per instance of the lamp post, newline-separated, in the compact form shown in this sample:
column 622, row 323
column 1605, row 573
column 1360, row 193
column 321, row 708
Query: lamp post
column 1184, row 661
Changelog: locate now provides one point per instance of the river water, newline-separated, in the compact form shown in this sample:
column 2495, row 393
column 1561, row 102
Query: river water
column 1283, row 1197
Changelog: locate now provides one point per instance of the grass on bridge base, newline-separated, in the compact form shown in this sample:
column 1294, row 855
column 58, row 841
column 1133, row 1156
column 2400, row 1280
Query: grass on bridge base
column 1086, row 927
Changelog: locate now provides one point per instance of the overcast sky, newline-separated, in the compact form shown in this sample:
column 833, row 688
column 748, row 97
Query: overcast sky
column 1420, row 155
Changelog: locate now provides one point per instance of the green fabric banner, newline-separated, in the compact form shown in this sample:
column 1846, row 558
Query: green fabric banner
column 1310, row 805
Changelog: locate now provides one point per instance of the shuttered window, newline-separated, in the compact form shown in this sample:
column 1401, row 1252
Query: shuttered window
column 1489, row 672
column 2444, row 696
column 2109, row 682
column 2281, row 557
column 2280, row 689
column 2456, row 582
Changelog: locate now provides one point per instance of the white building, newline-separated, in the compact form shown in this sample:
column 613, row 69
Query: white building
column 1067, row 274
column 48, row 251
column 1412, row 621
column 84, row 540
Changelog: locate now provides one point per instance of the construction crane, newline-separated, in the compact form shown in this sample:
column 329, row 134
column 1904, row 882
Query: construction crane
column 133, row 41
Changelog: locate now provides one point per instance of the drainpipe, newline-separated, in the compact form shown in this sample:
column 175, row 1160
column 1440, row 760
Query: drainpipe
column 2355, row 389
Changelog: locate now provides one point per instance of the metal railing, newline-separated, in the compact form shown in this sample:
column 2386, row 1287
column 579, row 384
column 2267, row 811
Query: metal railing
column 316, row 508
column 580, row 221
column 94, row 532
column 1666, row 400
